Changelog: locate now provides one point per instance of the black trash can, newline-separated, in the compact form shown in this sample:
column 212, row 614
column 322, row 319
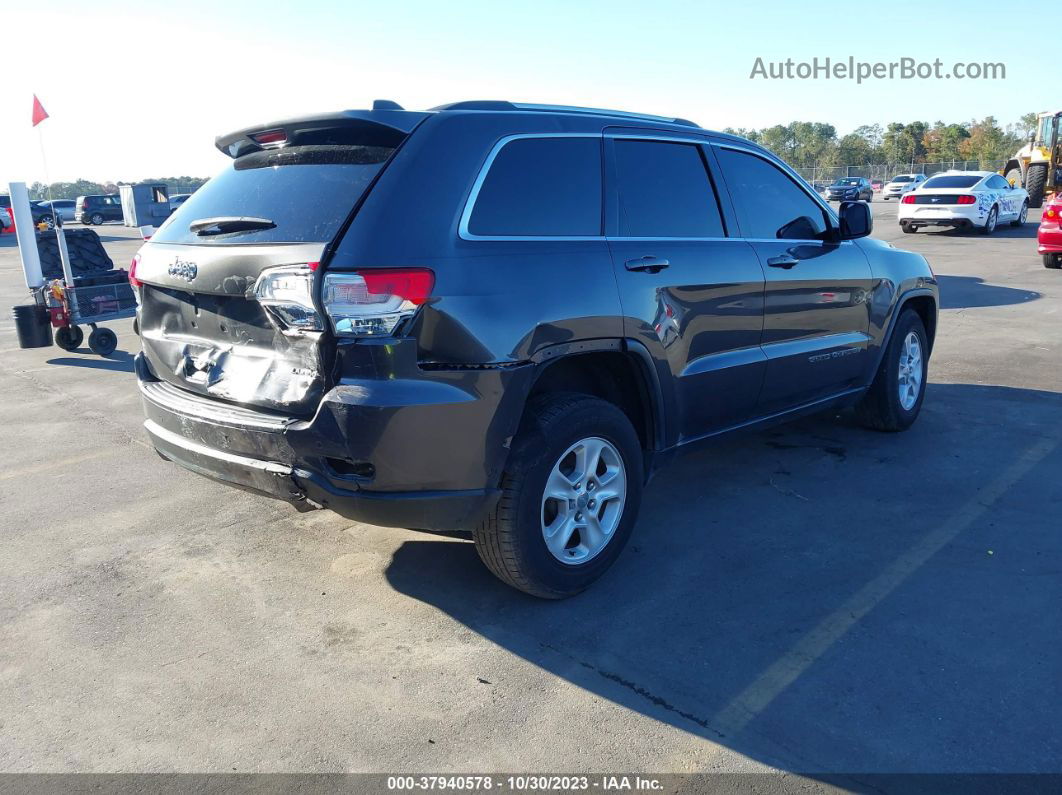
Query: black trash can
column 33, row 326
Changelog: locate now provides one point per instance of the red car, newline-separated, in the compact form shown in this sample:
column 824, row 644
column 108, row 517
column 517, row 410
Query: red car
column 1049, row 235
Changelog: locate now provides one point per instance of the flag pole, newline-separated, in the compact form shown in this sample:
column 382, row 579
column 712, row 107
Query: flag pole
column 60, row 235
column 47, row 179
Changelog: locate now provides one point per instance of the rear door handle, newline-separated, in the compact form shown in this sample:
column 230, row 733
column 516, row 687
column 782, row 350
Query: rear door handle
column 649, row 264
column 786, row 261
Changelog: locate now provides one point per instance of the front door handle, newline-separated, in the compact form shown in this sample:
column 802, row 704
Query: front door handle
column 648, row 264
column 786, row 261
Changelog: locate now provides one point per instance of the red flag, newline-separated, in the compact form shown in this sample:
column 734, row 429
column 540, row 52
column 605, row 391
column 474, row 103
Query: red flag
column 39, row 113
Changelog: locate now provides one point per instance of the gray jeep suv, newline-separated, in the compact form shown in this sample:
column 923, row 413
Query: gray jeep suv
column 505, row 318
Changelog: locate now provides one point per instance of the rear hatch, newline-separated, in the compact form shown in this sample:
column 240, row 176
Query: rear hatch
column 280, row 204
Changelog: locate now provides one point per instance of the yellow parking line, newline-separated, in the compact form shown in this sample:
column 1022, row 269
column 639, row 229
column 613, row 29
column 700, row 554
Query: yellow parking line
column 57, row 463
column 754, row 699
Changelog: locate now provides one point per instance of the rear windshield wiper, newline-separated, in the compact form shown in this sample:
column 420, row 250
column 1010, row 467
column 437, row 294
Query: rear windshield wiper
column 223, row 224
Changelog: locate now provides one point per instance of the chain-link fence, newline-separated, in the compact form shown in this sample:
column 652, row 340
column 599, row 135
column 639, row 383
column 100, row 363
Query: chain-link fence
column 883, row 172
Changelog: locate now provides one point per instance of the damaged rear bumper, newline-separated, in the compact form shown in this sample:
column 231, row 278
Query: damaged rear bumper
column 425, row 463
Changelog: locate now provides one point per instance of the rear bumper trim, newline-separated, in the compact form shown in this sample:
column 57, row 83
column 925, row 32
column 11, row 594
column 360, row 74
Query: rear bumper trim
column 438, row 510
column 171, row 439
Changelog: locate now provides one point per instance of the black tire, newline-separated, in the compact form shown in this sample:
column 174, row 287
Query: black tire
column 990, row 222
column 96, row 219
column 510, row 540
column 880, row 408
column 909, row 229
column 103, row 341
column 1053, row 261
column 1020, row 220
column 69, row 338
column 1035, row 180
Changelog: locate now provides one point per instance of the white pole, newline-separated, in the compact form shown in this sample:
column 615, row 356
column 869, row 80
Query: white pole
column 64, row 256
column 27, row 237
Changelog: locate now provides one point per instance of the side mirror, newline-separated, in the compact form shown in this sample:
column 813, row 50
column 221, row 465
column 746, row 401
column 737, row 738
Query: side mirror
column 856, row 220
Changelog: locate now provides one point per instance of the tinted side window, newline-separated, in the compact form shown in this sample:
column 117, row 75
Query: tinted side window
column 998, row 183
column 770, row 204
column 664, row 191
column 541, row 187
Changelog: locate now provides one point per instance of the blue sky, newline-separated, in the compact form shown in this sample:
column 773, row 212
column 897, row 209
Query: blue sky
column 179, row 76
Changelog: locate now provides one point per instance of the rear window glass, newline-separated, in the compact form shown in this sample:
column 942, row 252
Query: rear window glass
column 951, row 182
column 306, row 191
column 541, row 187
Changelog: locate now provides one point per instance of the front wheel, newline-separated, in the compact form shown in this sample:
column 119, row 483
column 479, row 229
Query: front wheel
column 1022, row 216
column 570, row 496
column 990, row 222
column 69, row 338
column 895, row 398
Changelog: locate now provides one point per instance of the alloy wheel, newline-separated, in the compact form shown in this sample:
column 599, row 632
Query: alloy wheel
column 910, row 381
column 583, row 501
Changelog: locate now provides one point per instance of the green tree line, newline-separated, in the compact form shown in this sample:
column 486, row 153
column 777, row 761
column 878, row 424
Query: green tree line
column 85, row 187
column 809, row 144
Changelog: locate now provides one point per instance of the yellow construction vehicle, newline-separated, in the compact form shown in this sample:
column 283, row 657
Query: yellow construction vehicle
column 1036, row 165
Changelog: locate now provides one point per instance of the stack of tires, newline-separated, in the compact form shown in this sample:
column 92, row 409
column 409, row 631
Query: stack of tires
column 87, row 256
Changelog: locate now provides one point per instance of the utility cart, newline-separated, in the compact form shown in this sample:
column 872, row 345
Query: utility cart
column 89, row 301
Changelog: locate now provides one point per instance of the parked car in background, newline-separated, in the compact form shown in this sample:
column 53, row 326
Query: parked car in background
column 64, row 208
column 964, row 200
column 40, row 210
column 901, row 184
column 876, row 184
column 42, row 213
column 850, row 189
column 449, row 374
column 177, row 199
column 97, row 209
column 1049, row 235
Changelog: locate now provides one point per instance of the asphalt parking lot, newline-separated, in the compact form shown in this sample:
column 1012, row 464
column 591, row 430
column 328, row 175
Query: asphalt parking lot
column 818, row 598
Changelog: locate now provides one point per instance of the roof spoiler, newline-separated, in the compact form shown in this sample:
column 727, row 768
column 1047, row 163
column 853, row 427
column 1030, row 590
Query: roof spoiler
column 386, row 125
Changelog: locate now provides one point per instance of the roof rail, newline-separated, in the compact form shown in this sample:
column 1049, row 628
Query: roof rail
column 502, row 105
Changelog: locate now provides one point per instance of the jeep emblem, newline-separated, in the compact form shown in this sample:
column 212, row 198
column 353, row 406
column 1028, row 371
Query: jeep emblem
column 183, row 270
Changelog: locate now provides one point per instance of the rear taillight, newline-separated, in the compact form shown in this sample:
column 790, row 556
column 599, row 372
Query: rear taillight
column 908, row 199
column 966, row 199
column 287, row 295
column 132, row 271
column 1053, row 212
column 374, row 302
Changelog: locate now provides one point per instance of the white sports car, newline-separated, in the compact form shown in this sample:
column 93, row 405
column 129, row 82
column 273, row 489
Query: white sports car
column 964, row 199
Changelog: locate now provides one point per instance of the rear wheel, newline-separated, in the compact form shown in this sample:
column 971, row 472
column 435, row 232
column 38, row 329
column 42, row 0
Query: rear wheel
column 894, row 399
column 1035, row 180
column 96, row 219
column 1052, row 261
column 1022, row 216
column 570, row 496
column 909, row 229
column 103, row 341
